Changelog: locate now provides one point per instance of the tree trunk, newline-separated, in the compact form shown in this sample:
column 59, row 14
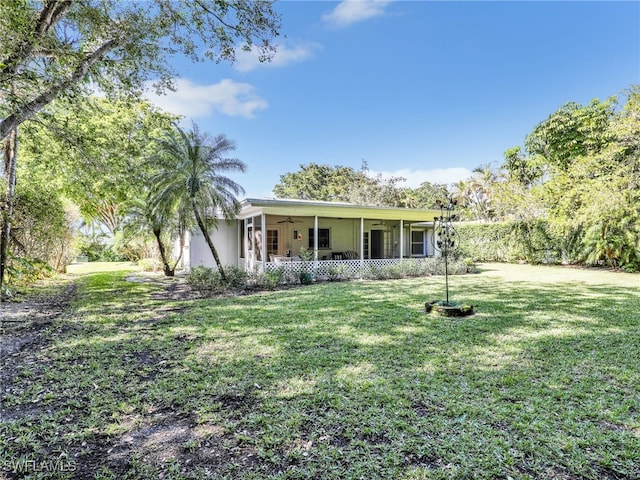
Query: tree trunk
column 181, row 239
column 204, row 231
column 10, row 160
column 168, row 271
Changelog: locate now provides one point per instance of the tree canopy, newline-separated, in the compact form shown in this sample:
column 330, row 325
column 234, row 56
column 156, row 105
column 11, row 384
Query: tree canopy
column 96, row 154
column 344, row 184
column 579, row 172
column 61, row 48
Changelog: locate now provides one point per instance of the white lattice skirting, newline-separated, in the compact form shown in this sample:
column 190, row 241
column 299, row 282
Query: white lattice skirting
column 326, row 269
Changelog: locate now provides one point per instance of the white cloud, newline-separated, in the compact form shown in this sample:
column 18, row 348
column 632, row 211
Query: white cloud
column 247, row 61
column 193, row 101
column 352, row 11
column 436, row 175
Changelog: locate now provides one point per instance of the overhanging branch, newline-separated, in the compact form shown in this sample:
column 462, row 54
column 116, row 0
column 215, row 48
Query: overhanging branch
column 29, row 109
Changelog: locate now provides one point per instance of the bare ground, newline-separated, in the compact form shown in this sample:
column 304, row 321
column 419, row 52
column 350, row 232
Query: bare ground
column 26, row 327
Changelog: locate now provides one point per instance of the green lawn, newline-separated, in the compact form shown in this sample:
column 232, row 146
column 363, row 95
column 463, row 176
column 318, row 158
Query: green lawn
column 336, row 381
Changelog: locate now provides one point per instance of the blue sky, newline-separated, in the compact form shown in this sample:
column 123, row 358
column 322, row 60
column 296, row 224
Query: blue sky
column 420, row 89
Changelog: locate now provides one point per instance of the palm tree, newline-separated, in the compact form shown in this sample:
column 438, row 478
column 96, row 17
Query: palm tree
column 191, row 173
column 144, row 218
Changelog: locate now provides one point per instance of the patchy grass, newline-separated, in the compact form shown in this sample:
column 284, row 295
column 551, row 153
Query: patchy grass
column 95, row 267
column 335, row 381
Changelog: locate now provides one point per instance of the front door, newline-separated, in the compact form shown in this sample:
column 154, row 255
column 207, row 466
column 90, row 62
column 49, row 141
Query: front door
column 377, row 244
column 273, row 242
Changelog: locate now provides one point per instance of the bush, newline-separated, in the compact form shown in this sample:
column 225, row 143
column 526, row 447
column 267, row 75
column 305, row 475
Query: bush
column 337, row 273
column 270, row 279
column 24, row 271
column 236, row 276
column 42, row 226
column 306, row 278
column 205, row 279
column 149, row 264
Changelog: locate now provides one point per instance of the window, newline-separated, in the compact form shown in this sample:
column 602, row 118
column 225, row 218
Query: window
column 323, row 238
column 272, row 242
column 417, row 242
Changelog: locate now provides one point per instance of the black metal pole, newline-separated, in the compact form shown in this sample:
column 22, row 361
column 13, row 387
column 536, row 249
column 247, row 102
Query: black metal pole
column 446, row 270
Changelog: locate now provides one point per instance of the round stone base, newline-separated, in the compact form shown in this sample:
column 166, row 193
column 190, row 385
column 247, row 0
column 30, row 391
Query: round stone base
column 448, row 310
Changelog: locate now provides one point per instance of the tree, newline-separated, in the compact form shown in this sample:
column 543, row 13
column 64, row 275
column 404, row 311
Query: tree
column 476, row 194
column 572, row 131
column 161, row 220
column 10, row 152
column 428, row 194
column 62, row 48
column 95, row 153
column 344, row 184
column 520, row 168
column 192, row 168
column 321, row 182
column 590, row 190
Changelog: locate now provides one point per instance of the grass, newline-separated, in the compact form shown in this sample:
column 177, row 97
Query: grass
column 94, row 267
column 338, row 381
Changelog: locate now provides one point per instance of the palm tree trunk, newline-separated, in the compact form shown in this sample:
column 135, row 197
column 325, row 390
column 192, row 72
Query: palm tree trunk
column 181, row 240
column 10, row 159
column 204, row 231
column 168, row 271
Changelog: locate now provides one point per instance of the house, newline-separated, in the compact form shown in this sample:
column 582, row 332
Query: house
column 275, row 233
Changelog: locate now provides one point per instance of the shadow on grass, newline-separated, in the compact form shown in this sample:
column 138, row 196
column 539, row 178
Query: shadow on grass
column 343, row 380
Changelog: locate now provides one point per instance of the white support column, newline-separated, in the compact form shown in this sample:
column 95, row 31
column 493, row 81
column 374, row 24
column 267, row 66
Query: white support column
column 361, row 242
column 401, row 240
column 315, row 243
column 240, row 239
column 245, row 247
column 253, row 243
column 263, row 254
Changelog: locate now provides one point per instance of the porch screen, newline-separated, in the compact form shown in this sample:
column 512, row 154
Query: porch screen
column 417, row 242
column 323, row 238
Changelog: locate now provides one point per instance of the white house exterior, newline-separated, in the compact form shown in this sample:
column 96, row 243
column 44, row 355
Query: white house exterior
column 272, row 233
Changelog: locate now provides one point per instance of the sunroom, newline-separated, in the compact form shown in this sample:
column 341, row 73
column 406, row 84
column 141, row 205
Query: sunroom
column 296, row 234
column 278, row 233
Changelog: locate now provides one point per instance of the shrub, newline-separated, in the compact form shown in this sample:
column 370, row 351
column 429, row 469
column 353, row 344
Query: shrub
column 42, row 226
column 149, row 264
column 24, row 271
column 270, row 279
column 306, row 278
column 530, row 241
column 208, row 279
column 336, row 273
column 236, row 276
column 205, row 279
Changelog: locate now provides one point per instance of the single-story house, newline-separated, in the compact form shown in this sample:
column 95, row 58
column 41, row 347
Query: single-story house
column 275, row 233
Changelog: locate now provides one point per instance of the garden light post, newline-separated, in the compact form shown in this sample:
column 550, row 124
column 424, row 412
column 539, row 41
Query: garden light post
column 444, row 236
column 444, row 241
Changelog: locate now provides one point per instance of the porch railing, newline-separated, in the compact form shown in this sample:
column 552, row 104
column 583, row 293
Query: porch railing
column 326, row 269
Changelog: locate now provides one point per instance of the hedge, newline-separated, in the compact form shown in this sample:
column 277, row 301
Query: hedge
column 507, row 242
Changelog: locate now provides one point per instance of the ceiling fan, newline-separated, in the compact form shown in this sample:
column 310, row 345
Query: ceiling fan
column 288, row 220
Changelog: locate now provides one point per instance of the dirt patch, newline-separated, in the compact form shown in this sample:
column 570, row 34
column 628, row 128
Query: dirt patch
column 22, row 321
column 153, row 441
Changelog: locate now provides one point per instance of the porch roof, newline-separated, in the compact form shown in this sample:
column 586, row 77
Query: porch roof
column 309, row 208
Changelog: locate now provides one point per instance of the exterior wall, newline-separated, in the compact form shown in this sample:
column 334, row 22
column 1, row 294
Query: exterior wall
column 225, row 239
